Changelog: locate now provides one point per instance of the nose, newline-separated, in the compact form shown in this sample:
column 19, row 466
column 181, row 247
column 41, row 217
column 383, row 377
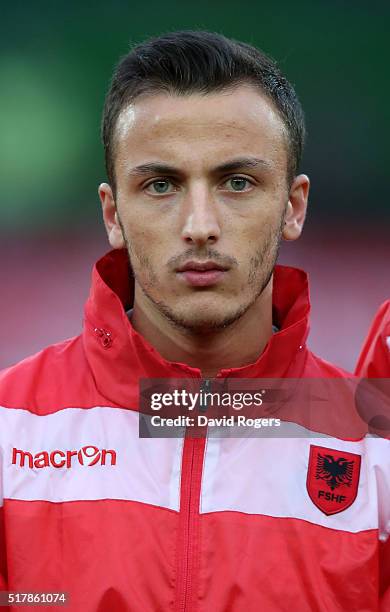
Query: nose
column 201, row 224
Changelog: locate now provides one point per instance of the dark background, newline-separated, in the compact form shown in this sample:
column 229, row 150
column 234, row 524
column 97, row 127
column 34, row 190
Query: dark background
column 55, row 65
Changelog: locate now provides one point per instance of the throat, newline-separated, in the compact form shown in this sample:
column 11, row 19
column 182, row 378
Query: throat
column 238, row 345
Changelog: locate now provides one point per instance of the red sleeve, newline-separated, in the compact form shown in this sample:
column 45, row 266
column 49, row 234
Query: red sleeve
column 374, row 360
column 384, row 573
column 3, row 559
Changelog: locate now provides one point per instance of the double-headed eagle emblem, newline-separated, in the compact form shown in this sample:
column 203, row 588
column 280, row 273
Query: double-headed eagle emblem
column 335, row 472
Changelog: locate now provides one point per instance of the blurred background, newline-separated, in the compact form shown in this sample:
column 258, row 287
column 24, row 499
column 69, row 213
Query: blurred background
column 55, row 66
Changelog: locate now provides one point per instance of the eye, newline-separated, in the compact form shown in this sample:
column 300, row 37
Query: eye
column 160, row 187
column 238, row 183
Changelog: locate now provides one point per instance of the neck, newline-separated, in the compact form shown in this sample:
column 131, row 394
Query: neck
column 237, row 345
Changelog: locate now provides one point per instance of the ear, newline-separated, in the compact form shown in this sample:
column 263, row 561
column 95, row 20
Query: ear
column 110, row 217
column 296, row 208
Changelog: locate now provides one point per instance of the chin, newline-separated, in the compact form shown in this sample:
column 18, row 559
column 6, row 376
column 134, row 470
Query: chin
column 203, row 320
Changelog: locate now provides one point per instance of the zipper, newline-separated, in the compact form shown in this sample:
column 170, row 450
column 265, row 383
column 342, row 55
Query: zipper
column 189, row 521
column 205, row 387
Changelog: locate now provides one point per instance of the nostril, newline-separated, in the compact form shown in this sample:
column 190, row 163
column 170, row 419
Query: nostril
column 200, row 239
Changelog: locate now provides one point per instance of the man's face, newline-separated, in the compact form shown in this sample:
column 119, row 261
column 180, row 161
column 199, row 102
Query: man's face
column 201, row 183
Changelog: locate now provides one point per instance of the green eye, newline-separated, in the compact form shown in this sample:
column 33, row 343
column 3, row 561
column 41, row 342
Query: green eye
column 238, row 183
column 160, row 186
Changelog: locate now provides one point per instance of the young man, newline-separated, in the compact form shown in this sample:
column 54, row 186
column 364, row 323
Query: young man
column 203, row 138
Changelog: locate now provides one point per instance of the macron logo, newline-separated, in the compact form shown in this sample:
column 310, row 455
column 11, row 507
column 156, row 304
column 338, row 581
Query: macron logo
column 87, row 455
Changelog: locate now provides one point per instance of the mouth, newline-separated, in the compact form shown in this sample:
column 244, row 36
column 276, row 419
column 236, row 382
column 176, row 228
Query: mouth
column 201, row 274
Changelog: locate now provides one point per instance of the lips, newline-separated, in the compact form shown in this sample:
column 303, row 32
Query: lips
column 201, row 266
column 201, row 274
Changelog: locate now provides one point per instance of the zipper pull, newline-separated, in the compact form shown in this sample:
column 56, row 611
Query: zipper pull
column 205, row 388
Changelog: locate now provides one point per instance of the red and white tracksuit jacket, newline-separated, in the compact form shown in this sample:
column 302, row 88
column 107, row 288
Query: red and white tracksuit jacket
column 374, row 360
column 123, row 523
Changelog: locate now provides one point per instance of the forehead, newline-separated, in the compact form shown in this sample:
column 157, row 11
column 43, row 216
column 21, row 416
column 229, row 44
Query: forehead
column 200, row 128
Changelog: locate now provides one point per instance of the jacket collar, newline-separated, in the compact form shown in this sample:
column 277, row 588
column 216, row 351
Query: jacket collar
column 119, row 356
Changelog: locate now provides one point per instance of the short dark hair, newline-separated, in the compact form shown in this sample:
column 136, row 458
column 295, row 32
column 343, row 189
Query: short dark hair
column 189, row 62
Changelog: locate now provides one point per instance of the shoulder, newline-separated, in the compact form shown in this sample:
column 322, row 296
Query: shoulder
column 316, row 367
column 374, row 359
column 56, row 377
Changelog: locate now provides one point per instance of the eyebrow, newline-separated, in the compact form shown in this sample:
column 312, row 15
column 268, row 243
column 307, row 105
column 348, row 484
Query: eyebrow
column 229, row 166
column 242, row 162
column 153, row 168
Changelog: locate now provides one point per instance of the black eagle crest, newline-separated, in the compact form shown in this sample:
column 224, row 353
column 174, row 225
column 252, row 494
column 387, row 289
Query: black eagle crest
column 335, row 472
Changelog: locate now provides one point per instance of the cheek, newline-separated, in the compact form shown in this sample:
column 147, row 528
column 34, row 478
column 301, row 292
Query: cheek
column 147, row 250
column 253, row 236
column 138, row 235
column 145, row 227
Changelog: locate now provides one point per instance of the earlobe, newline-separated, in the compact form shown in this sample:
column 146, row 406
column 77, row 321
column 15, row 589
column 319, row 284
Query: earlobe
column 110, row 217
column 296, row 208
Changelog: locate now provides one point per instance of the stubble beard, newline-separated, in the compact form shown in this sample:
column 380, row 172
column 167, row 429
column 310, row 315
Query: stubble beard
column 261, row 268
